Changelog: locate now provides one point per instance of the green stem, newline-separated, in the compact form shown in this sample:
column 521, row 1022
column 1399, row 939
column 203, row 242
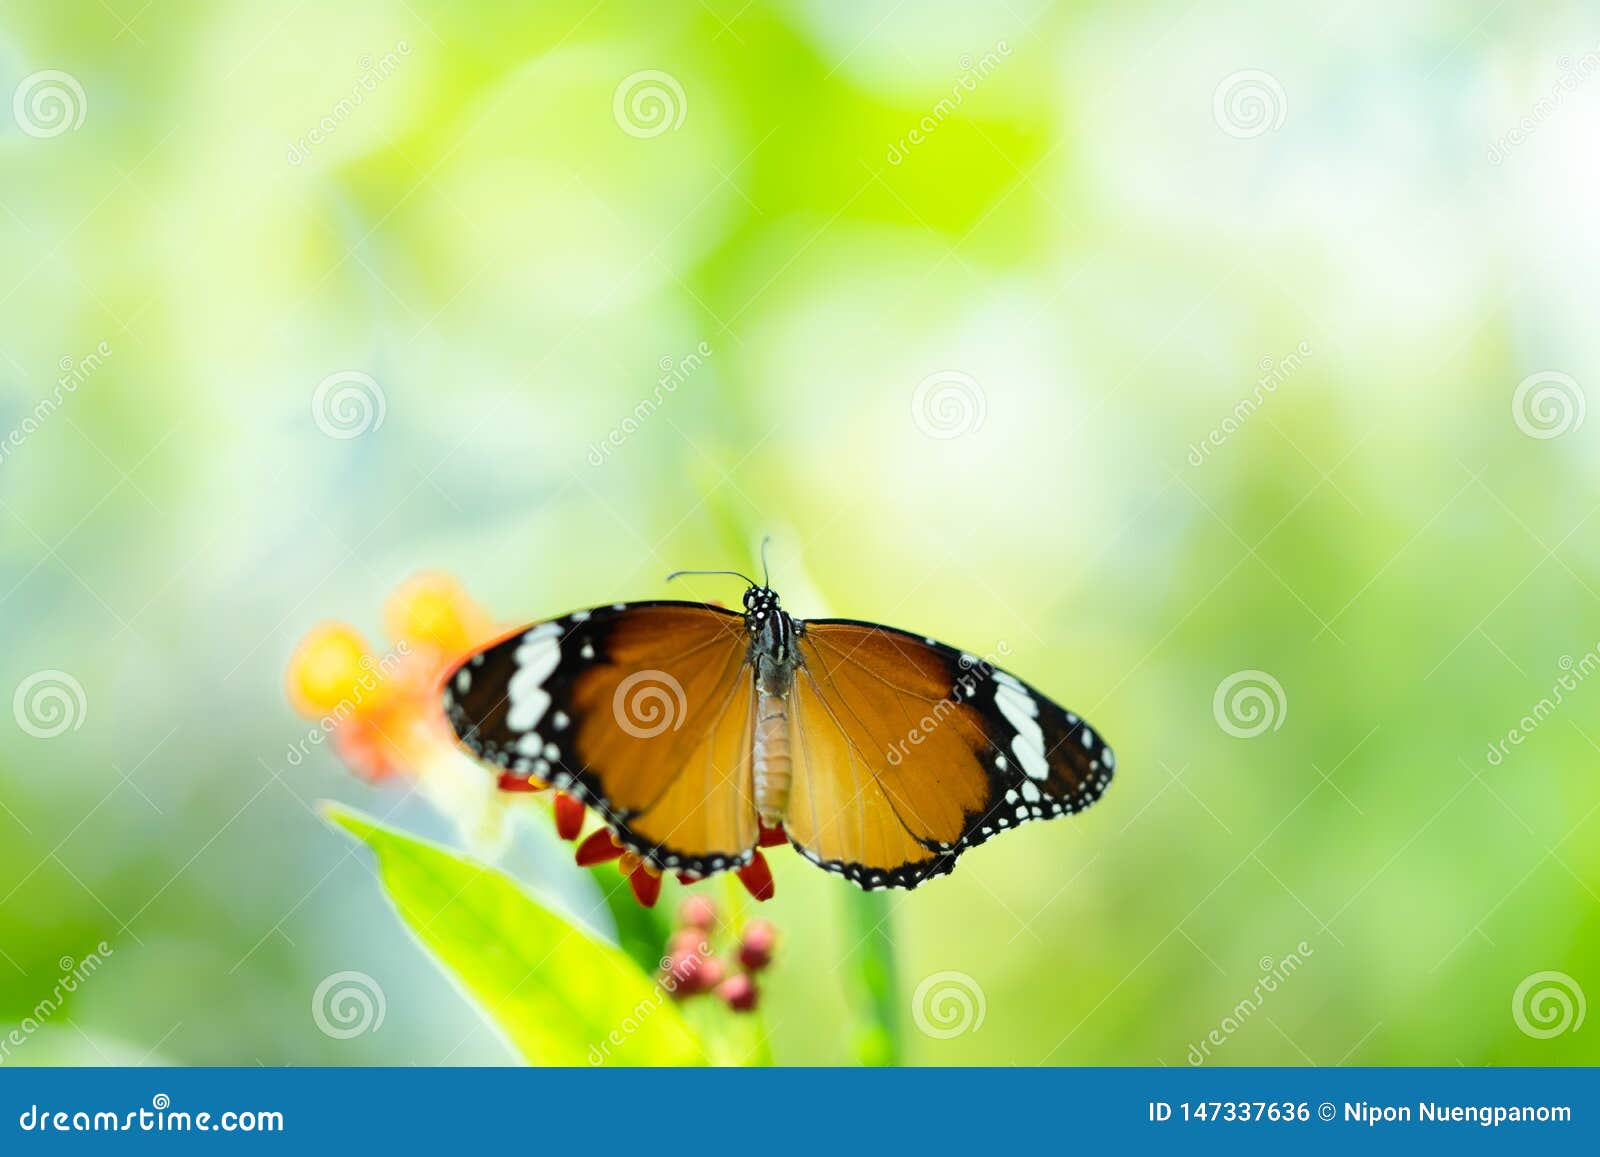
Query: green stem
column 871, row 966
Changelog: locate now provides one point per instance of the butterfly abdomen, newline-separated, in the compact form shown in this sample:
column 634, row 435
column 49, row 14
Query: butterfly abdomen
column 773, row 767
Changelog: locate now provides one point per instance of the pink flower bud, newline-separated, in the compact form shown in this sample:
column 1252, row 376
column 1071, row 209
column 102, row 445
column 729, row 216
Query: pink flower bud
column 698, row 912
column 710, row 975
column 688, row 942
column 739, row 992
column 755, row 948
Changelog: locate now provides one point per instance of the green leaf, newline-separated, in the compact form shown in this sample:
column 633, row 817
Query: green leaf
column 559, row 995
column 641, row 931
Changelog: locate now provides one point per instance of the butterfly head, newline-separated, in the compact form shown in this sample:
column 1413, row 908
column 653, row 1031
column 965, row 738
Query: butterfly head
column 760, row 605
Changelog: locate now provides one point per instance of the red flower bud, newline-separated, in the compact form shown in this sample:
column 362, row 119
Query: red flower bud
column 698, row 912
column 757, row 876
column 683, row 973
column 646, row 885
column 710, row 975
column 688, row 941
column 739, row 992
column 597, row 849
column 772, row 837
column 755, row 948
column 691, row 968
column 569, row 816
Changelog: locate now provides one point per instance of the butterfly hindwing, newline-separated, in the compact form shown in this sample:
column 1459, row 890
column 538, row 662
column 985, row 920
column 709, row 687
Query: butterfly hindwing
column 908, row 752
column 644, row 711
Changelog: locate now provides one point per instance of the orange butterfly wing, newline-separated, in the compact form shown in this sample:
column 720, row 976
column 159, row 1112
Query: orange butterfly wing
column 908, row 752
column 644, row 711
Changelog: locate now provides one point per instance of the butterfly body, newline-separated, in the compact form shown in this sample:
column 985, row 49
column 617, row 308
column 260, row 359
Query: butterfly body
column 773, row 660
column 882, row 755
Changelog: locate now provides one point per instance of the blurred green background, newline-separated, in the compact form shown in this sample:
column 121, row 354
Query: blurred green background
column 1000, row 380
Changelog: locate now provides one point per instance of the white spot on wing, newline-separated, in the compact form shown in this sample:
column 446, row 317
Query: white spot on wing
column 1022, row 713
column 536, row 659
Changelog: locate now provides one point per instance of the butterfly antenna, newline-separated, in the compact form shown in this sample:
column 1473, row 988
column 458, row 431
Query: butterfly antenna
column 734, row 573
column 764, row 543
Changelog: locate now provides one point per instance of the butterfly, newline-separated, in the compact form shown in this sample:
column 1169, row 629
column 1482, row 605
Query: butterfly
column 695, row 732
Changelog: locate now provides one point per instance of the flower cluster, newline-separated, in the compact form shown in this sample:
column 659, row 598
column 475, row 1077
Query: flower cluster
column 383, row 716
column 381, row 713
column 692, row 969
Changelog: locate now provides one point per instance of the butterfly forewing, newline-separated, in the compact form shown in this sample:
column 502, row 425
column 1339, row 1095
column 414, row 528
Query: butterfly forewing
column 908, row 752
column 644, row 711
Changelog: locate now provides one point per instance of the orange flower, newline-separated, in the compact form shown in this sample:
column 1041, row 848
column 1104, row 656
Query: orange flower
column 381, row 713
column 434, row 614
